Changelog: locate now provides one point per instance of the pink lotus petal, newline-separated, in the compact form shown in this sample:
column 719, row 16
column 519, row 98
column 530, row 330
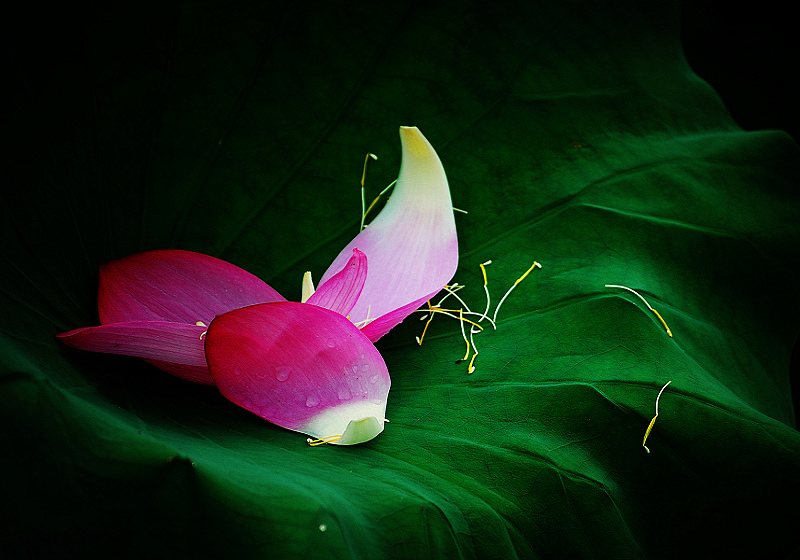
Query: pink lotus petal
column 176, row 286
column 301, row 367
column 339, row 294
column 411, row 245
column 158, row 340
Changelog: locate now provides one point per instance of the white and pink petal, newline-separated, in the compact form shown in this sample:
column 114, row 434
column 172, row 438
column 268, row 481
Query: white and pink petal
column 411, row 245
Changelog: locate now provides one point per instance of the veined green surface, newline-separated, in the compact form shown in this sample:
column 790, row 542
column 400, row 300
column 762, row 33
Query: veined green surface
column 573, row 133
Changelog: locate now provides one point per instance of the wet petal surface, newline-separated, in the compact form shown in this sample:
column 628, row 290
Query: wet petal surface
column 299, row 366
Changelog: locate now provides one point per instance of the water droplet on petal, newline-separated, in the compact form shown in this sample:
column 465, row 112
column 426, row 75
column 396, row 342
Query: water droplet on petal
column 331, row 343
column 355, row 368
column 344, row 394
column 323, row 528
column 373, row 379
column 312, row 401
column 282, row 373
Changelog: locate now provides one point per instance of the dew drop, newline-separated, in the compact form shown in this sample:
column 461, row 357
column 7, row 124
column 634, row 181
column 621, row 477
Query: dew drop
column 344, row 394
column 364, row 367
column 355, row 368
column 322, row 527
column 331, row 343
column 373, row 379
column 312, row 401
column 282, row 373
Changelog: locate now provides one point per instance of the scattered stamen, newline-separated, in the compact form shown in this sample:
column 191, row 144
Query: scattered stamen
column 653, row 421
column 660, row 318
column 322, row 441
column 459, row 314
column 307, row 287
column 520, row 279
column 451, row 291
column 450, row 313
column 365, row 322
column 201, row 324
column 486, row 290
column 471, row 366
column 461, row 317
column 430, row 318
column 363, row 178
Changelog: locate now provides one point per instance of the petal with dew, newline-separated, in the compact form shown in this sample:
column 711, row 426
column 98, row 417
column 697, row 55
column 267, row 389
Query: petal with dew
column 176, row 286
column 178, row 345
column 340, row 293
column 301, row 367
column 411, row 245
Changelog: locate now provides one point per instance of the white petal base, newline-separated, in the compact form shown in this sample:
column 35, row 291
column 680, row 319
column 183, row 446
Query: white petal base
column 356, row 422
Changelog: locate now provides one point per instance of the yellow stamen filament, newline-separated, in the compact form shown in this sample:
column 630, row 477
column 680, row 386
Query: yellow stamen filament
column 653, row 421
column 663, row 322
column 461, row 317
column 520, row 279
column 430, row 318
column 201, row 324
column 449, row 313
column 452, row 292
column 363, row 178
column 471, row 366
column 660, row 318
column 460, row 210
column 323, row 441
column 486, row 291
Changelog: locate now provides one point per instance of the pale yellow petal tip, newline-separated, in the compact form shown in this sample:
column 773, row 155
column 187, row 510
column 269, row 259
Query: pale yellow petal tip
column 307, row 287
column 360, row 431
column 414, row 143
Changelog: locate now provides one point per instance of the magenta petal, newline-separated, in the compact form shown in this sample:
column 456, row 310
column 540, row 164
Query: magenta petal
column 157, row 340
column 411, row 245
column 176, row 286
column 339, row 294
column 301, row 367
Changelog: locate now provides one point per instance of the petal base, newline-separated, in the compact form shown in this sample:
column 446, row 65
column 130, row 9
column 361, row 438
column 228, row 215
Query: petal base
column 356, row 422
